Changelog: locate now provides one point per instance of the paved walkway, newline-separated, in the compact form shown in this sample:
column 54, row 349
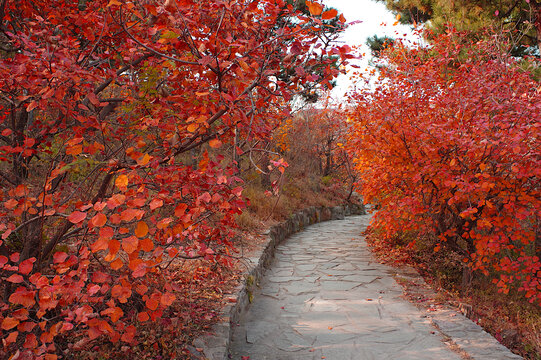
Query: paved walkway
column 324, row 297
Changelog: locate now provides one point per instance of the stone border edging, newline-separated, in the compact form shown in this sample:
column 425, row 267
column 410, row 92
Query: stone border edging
column 215, row 345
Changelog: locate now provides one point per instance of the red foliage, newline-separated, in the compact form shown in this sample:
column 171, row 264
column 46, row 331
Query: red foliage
column 447, row 144
column 107, row 111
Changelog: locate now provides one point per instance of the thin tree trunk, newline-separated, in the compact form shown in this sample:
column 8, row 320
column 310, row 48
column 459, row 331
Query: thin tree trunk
column 265, row 176
column 536, row 5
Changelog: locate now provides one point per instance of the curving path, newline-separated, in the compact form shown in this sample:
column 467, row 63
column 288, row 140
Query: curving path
column 325, row 297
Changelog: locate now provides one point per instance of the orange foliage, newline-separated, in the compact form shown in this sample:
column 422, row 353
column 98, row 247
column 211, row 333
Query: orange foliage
column 447, row 145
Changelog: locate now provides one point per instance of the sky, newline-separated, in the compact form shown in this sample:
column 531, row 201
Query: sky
column 375, row 20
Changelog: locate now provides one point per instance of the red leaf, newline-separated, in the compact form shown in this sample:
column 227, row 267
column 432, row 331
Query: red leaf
column 314, row 8
column 77, row 217
column 129, row 334
column 151, row 304
column 143, row 316
column 141, row 230
column 156, row 203
column 31, row 341
column 31, row 106
column 12, row 337
column 93, row 99
column 117, row 264
column 9, row 323
column 180, row 210
column 25, row 267
column 130, row 244
column 146, row 244
column 99, row 220
column 329, row 14
column 167, row 299
column 237, row 191
column 59, row 257
column 128, row 214
column 23, row 297
column 11, row 203
column 74, row 150
column 15, row 278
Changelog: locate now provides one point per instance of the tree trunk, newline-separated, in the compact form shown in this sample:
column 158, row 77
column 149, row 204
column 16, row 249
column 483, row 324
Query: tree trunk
column 467, row 277
column 537, row 243
column 30, row 235
column 536, row 7
column 20, row 164
column 265, row 175
column 328, row 159
column 234, row 155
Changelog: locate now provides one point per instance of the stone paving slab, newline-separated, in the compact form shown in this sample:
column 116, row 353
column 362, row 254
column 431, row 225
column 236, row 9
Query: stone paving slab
column 325, row 297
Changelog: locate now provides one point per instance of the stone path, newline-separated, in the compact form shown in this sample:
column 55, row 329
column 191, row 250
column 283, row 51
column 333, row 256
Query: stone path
column 324, row 297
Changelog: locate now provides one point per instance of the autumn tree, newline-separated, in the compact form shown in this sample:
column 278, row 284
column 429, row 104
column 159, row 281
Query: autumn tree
column 520, row 18
column 315, row 138
column 102, row 103
column 446, row 145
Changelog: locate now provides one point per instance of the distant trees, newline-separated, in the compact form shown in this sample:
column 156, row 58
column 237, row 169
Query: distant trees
column 521, row 19
column 378, row 43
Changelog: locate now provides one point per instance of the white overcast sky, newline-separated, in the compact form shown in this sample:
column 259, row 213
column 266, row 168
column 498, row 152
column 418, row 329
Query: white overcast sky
column 375, row 20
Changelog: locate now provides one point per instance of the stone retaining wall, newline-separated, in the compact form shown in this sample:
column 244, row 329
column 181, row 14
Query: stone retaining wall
column 215, row 345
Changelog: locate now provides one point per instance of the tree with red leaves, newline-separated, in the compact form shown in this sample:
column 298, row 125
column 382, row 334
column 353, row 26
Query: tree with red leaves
column 113, row 115
column 447, row 145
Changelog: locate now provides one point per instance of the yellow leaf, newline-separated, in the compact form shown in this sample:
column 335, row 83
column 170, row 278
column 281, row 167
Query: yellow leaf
column 143, row 160
column 121, row 182
column 215, row 143
column 192, row 127
column 74, row 150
